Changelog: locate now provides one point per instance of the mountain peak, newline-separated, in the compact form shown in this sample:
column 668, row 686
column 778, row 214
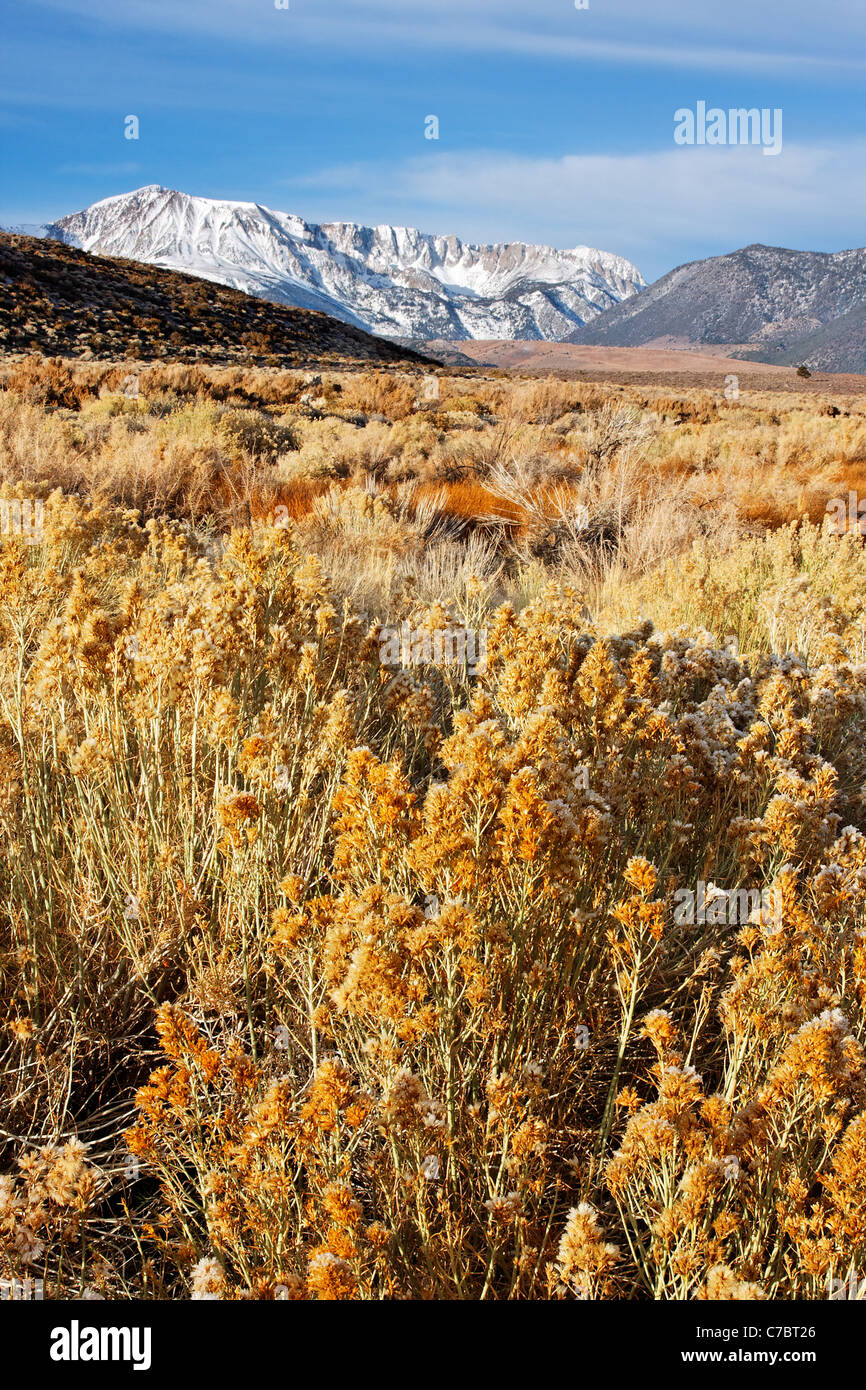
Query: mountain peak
column 769, row 303
column 395, row 281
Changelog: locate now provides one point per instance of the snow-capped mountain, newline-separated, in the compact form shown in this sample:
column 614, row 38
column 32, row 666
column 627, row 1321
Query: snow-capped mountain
column 394, row 281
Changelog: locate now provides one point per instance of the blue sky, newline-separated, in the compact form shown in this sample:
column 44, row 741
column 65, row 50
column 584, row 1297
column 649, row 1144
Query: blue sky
column 555, row 124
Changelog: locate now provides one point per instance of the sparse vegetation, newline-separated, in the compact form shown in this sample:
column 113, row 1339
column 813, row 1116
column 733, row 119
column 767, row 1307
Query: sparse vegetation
column 57, row 299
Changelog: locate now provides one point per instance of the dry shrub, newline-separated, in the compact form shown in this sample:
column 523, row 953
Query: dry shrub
column 250, row 433
column 292, row 500
column 541, row 402
column 468, row 501
column 429, row 1022
column 46, row 382
column 380, row 393
column 614, row 431
column 328, row 978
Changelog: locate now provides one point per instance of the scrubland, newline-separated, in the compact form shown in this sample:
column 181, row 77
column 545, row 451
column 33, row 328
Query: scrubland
column 326, row 980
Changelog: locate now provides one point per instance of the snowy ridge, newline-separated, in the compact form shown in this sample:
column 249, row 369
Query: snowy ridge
column 394, row 281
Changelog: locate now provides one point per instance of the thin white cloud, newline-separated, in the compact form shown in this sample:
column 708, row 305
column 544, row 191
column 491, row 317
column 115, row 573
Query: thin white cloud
column 646, row 207
column 775, row 35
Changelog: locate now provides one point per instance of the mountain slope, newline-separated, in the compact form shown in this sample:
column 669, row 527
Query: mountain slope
column 838, row 346
column 395, row 281
column 58, row 300
column 776, row 299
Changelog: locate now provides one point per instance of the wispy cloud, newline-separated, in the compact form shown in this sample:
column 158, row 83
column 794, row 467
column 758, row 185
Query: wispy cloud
column 556, row 122
column 777, row 35
column 644, row 206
